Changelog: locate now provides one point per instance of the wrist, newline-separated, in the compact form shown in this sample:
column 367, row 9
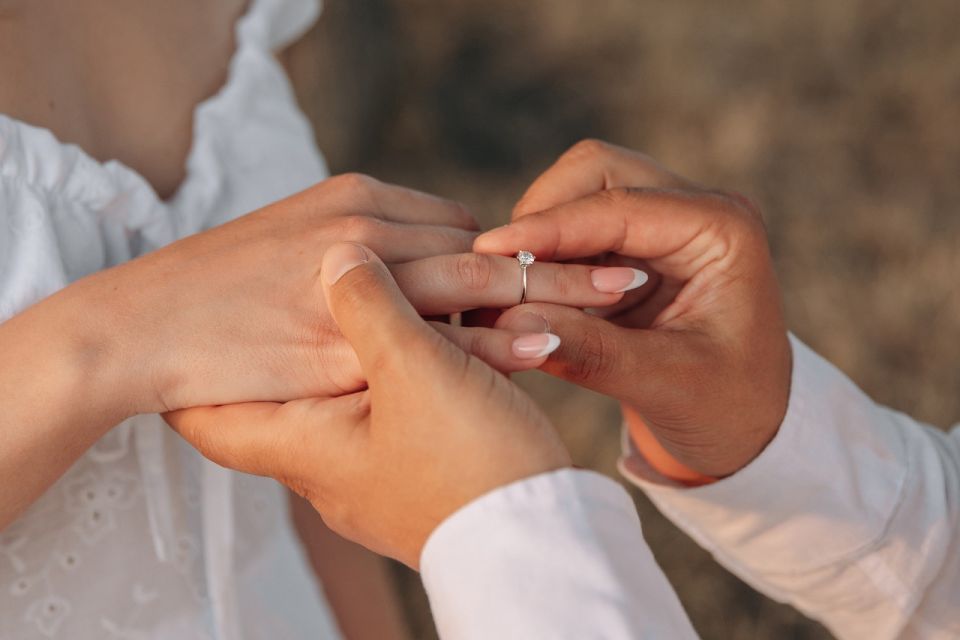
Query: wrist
column 103, row 348
column 55, row 380
column 656, row 455
column 60, row 397
column 697, row 458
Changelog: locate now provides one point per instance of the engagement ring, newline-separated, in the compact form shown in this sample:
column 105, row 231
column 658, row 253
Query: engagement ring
column 525, row 258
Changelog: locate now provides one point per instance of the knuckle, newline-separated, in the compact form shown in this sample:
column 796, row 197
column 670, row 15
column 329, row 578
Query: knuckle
column 478, row 346
column 474, row 270
column 353, row 182
column 744, row 216
column 617, row 197
column 589, row 148
column 754, row 226
column 563, row 284
column 590, row 359
column 358, row 228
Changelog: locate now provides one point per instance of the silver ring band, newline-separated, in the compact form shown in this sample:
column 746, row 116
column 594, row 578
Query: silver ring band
column 523, row 275
column 525, row 258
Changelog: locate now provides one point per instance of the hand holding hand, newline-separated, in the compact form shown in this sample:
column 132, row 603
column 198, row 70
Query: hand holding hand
column 234, row 314
column 436, row 428
column 699, row 356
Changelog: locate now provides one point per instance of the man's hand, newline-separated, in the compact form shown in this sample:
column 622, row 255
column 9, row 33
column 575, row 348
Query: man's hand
column 436, row 428
column 699, row 356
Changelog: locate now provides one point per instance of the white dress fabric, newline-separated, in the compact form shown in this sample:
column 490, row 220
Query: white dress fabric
column 851, row 514
column 142, row 538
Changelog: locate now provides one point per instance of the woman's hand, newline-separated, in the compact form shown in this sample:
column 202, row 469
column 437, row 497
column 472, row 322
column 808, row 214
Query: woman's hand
column 436, row 428
column 234, row 314
column 699, row 356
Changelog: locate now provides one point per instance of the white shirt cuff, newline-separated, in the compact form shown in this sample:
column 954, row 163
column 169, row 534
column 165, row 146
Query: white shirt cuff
column 558, row 555
column 823, row 489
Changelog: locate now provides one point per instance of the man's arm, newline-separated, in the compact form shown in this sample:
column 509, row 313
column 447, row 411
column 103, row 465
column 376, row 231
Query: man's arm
column 850, row 514
column 559, row 555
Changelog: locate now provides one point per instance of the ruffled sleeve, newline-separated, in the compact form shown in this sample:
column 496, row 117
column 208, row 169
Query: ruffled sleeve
column 64, row 216
column 278, row 23
column 31, row 265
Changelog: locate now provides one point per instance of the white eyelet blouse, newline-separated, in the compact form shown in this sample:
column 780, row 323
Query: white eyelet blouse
column 143, row 538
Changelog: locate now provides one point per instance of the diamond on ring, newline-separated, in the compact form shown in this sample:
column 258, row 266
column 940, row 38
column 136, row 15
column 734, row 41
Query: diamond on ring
column 526, row 258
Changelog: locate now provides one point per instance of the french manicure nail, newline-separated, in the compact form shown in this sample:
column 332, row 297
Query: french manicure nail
column 492, row 233
column 617, row 279
column 341, row 258
column 536, row 345
column 527, row 322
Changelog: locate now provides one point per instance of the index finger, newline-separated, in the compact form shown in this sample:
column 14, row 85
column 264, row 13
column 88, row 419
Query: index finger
column 660, row 226
column 456, row 283
column 591, row 166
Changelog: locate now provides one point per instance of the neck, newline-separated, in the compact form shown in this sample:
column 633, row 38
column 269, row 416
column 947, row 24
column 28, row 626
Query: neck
column 119, row 79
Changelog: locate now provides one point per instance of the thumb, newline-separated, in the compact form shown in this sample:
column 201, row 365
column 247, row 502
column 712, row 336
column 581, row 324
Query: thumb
column 624, row 363
column 367, row 305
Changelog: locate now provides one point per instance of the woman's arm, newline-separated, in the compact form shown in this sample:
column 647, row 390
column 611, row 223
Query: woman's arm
column 62, row 386
column 357, row 582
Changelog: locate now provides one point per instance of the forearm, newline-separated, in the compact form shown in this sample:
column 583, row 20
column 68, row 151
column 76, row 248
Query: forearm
column 850, row 514
column 356, row 582
column 58, row 394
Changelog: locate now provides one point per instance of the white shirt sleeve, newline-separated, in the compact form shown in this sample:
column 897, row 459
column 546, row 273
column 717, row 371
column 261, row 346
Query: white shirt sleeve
column 851, row 514
column 560, row 555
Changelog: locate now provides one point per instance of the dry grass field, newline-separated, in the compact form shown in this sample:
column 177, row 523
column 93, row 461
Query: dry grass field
column 840, row 117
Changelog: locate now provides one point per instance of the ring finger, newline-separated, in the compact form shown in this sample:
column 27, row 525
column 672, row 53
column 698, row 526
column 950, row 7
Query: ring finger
column 455, row 283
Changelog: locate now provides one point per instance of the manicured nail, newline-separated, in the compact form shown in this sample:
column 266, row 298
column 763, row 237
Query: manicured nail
column 617, row 279
column 491, row 235
column 341, row 258
column 527, row 322
column 535, row 345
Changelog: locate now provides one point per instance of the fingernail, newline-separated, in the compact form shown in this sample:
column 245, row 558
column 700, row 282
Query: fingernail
column 527, row 322
column 617, row 279
column 486, row 236
column 535, row 345
column 341, row 258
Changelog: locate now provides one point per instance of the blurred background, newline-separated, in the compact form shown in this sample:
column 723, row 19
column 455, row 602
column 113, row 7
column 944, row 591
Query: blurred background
column 840, row 117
